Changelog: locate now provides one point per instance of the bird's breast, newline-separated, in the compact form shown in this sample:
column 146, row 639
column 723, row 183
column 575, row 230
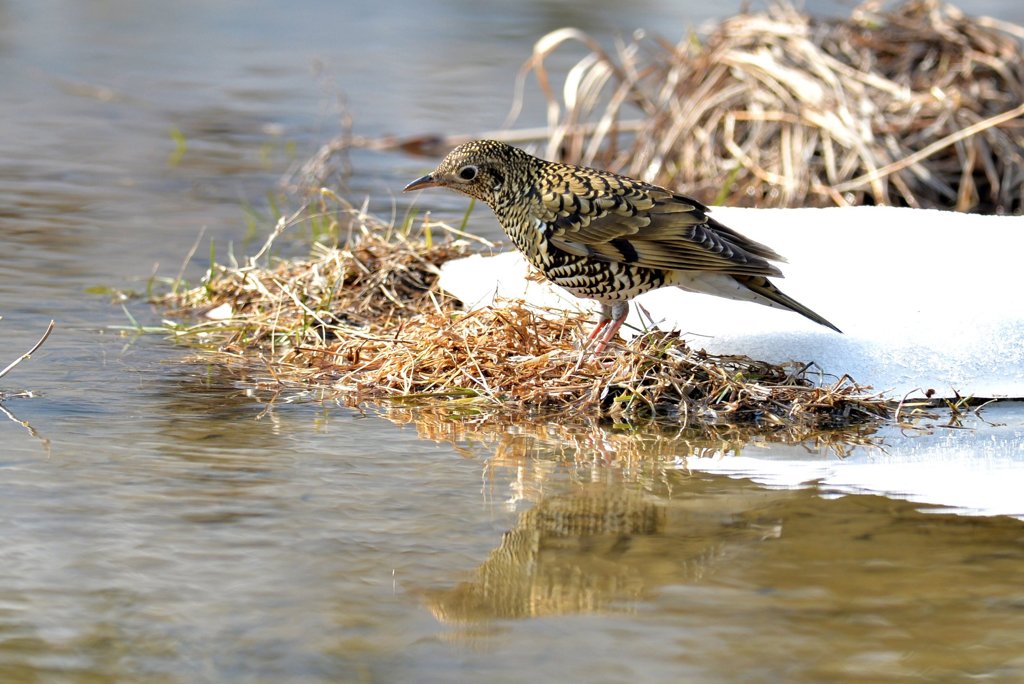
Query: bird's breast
column 584, row 276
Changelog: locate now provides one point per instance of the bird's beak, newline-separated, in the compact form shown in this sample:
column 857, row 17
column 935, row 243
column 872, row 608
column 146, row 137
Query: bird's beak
column 420, row 183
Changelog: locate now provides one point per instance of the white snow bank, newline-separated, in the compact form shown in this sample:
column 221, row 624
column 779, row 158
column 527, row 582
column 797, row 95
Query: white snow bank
column 926, row 299
column 976, row 471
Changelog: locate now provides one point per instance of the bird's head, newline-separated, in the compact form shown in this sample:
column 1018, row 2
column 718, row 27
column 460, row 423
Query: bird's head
column 483, row 169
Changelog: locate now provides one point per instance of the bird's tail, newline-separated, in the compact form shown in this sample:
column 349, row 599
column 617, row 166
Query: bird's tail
column 762, row 286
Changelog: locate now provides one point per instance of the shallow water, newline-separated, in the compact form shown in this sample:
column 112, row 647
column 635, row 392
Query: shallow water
column 214, row 546
column 161, row 523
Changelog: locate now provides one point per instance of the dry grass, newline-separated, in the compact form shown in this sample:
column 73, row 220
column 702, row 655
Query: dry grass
column 367, row 322
column 377, row 280
column 524, row 360
column 916, row 106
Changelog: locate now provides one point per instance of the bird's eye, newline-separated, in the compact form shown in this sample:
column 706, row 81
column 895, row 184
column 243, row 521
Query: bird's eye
column 467, row 173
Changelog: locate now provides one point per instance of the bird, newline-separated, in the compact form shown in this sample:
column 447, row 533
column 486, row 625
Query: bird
column 610, row 238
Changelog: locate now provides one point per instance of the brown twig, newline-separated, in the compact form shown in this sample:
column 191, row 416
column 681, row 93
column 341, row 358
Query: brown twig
column 30, row 352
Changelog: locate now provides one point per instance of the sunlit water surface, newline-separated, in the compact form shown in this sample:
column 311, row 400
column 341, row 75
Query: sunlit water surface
column 161, row 523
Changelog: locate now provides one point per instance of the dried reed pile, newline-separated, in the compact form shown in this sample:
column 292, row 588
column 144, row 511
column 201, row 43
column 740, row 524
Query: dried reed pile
column 916, row 106
column 366, row 321
column 376, row 281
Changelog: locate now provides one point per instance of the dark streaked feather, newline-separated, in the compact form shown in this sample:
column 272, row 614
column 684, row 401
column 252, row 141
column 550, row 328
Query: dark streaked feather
column 592, row 213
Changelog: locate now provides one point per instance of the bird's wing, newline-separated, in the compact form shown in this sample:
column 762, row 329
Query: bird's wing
column 613, row 218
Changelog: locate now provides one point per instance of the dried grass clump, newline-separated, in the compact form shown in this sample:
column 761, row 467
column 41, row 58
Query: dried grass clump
column 367, row 322
column 380, row 276
column 525, row 359
column 919, row 106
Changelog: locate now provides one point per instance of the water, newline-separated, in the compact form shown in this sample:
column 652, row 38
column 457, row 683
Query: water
column 162, row 524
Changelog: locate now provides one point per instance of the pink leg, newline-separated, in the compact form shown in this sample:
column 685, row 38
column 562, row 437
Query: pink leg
column 593, row 333
column 620, row 313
